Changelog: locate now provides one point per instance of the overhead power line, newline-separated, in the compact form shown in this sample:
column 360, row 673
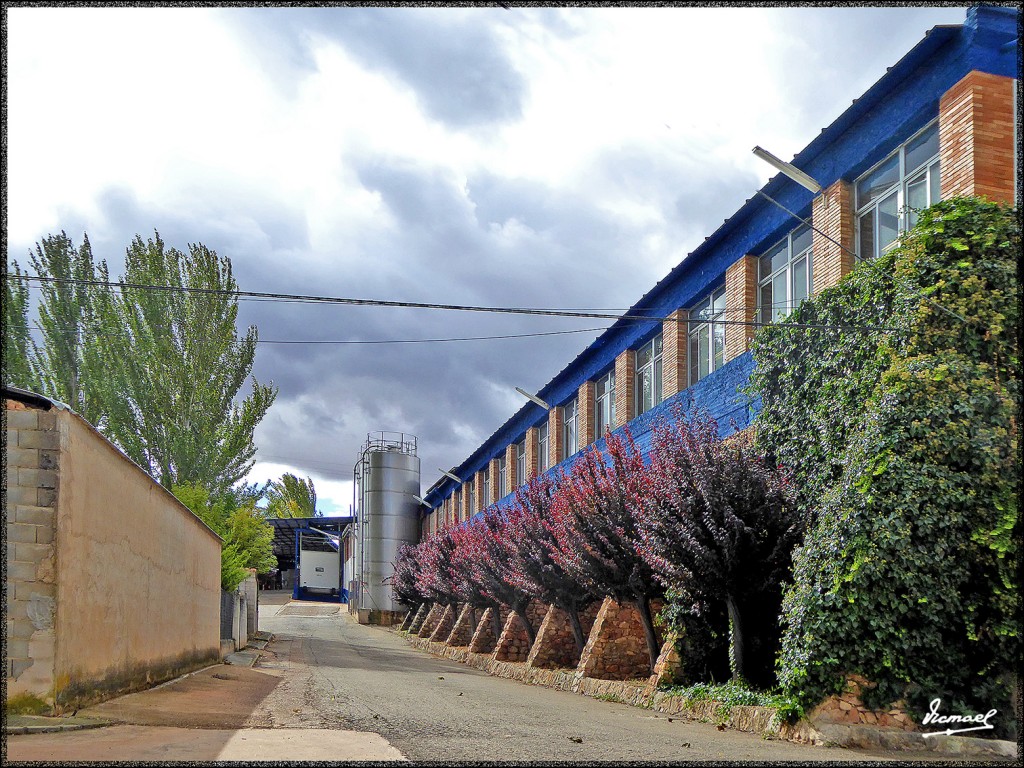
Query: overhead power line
column 337, row 300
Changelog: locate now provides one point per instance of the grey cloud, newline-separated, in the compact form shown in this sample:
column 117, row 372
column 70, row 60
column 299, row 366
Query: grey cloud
column 454, row 61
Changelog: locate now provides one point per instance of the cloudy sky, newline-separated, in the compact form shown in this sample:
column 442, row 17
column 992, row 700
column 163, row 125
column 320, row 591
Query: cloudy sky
column 540, row 157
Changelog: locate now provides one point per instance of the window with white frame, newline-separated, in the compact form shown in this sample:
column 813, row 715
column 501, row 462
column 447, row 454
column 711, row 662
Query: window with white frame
column 648, row 375
column 604, row 403
column 891, row 193
column 570, row 427
column 468, row 491
column 486, row 485
column 521, row 463
column 706, row 337
column 543, row 461
column 502, row 478
column 785, row 275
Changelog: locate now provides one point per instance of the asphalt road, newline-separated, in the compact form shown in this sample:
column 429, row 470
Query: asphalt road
column 330, row 689
column 339, row 674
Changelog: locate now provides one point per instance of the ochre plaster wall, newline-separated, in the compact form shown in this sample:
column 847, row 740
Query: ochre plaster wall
column 138, row 579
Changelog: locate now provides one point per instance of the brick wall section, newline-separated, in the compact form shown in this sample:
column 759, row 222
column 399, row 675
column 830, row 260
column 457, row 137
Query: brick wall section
column 493, row 464
column 740, row 305
column 33, row 459
column 484, row 640
column 419, row 618
column 555, row 436
column 514, row 643
column 673, row 356
column 468, row 510
column 586, row 395
column 832, row 213
column 617, row 646
column 531, row 455
column 465, row 626
column 555, row 646
column 478, row 492
column 444, row 625
column 976, row 142
column 430, row 622
column 625, row 382
column 510, row 468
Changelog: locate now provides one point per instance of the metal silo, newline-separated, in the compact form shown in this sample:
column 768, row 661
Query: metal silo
column 387, row 477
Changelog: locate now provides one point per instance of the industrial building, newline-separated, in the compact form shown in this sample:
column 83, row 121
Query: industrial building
column 940, row 123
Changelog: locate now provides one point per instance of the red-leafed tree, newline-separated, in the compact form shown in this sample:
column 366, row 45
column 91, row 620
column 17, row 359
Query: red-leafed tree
column 462, row 571
column 592, row 519
column 719, row 527
column 498, row 567
column 539, row 568
column 403, row 582
column 435, row 559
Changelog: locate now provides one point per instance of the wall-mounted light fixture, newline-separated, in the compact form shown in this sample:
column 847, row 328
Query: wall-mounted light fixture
column 789, row 170
column 421, row 501
column 456, row 478
column 535, row 399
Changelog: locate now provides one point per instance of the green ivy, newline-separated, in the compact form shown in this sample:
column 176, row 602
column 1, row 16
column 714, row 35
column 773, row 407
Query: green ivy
column 732, row 694
column 901, row 430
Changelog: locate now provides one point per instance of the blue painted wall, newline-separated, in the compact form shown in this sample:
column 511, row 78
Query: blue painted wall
column 903, row 101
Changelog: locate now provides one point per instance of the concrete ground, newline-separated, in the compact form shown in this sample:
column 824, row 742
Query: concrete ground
column 327, row 688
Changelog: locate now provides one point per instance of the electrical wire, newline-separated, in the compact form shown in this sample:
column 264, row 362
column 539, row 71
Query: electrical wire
column 450, row 307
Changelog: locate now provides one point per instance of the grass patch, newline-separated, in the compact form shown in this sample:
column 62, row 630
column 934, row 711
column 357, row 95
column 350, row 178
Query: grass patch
column 27, row 704
column 731, row 694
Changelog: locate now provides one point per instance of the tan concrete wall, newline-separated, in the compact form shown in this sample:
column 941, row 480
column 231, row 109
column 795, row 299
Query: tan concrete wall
column 134, row 576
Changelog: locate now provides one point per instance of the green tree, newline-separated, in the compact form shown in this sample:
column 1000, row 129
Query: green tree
column 68, row 362
column 176, row 365
column 18, row 347
column 291, row 497
column 233, row 515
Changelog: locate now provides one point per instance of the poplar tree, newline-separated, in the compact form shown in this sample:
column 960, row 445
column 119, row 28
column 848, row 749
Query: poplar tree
column 291, row 497
column 174, row 364
column 16, row 369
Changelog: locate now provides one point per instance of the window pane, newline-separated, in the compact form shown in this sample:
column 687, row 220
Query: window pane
column 867, row 235
column 764, row 266
column 658, row 345
column 611, row 409
column 644, row 392
column 719, row 346
column 922, row 149
column 702, row 355
column 766, row 302
column 781, row 307
column 719, row 301
column 888, row 221
column 799, row 282
column 643, row 356
column 693, row 356
column 917, row 197
column 801, row 240
column 872, row 187
column 934, row 177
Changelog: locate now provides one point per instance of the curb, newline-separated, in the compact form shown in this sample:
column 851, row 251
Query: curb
column 760, row 720
column 40, row 724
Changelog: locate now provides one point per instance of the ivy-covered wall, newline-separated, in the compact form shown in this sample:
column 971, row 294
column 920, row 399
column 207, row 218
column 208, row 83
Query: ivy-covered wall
column 901, row 427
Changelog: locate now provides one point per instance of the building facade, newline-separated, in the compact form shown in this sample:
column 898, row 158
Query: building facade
column 940, row 123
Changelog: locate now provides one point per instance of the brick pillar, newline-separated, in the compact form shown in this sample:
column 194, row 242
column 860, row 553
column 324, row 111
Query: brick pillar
column 555, row 437
column 585, row 420
column 532, row 442
column 976, row 142
column 478, row 491
column 31, row 480
column 740, row 304
column 510, row 463
column 625, row 381
column 493, row 464
column 673, row 356
column 832, row 213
